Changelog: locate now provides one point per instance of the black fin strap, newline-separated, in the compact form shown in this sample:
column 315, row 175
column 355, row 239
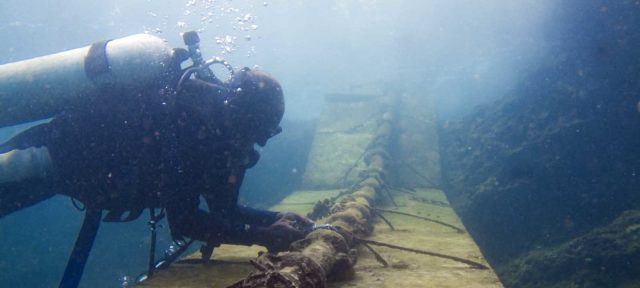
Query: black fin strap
column 82, row 248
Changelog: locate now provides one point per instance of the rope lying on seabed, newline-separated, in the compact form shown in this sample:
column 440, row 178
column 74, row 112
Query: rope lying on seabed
column 473, row 264
column 330, row 253
column 459, row 230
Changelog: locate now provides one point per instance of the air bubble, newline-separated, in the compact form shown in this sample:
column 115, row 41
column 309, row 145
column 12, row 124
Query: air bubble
column 125, row 282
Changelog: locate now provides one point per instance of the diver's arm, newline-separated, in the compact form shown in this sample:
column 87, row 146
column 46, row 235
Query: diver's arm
column 245, row 225
column 253, row 216
column 225, row 222
column 225, row 198
column 274, row 230
column 212, row 227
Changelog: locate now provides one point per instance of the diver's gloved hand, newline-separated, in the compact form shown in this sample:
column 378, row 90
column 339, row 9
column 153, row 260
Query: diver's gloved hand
column 289, row 227
column 297, row 220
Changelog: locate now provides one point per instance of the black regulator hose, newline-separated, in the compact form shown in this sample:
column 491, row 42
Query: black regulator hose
column 187, row 73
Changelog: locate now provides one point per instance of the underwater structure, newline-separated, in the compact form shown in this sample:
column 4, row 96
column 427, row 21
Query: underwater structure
column 373, row 174
column 555, row 161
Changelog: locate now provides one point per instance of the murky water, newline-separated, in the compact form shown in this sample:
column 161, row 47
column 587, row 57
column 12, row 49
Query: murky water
column 533, row 106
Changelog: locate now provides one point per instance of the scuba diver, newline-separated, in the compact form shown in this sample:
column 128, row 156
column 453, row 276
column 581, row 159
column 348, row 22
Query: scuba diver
column 130, row 130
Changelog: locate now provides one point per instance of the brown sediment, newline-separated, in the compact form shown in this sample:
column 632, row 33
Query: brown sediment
column 330, row 254
column 472, row 264
column 326, row 253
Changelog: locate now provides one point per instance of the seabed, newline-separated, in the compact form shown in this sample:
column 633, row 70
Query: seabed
column 344, row 130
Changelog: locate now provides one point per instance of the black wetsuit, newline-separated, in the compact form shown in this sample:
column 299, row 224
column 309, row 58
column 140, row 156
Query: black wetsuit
column 151, row 153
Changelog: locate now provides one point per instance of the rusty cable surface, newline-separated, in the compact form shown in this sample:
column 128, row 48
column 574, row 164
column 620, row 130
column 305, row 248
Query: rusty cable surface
column 326, row 253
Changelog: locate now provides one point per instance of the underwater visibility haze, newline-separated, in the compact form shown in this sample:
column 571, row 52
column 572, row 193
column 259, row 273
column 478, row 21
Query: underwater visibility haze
column 524, row 114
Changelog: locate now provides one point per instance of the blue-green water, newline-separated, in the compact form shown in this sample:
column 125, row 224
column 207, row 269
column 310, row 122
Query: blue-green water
column 468, row 54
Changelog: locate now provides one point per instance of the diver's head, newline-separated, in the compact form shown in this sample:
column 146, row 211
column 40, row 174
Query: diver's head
column 256, row 106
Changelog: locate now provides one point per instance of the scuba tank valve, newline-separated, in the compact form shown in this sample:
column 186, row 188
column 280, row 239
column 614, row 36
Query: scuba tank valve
column 192, row 40
column 200, row 68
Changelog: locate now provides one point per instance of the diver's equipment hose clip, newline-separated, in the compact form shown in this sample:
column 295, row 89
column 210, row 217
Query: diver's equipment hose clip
column 306, row 229
column 324, row 226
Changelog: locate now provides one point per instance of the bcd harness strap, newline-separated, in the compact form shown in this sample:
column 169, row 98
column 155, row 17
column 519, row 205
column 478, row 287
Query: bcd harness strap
column 97, row 67
column 82, row 248
column 153, row 225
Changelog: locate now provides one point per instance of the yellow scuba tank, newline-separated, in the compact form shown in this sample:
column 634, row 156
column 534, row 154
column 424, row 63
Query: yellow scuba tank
column 41, row 87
